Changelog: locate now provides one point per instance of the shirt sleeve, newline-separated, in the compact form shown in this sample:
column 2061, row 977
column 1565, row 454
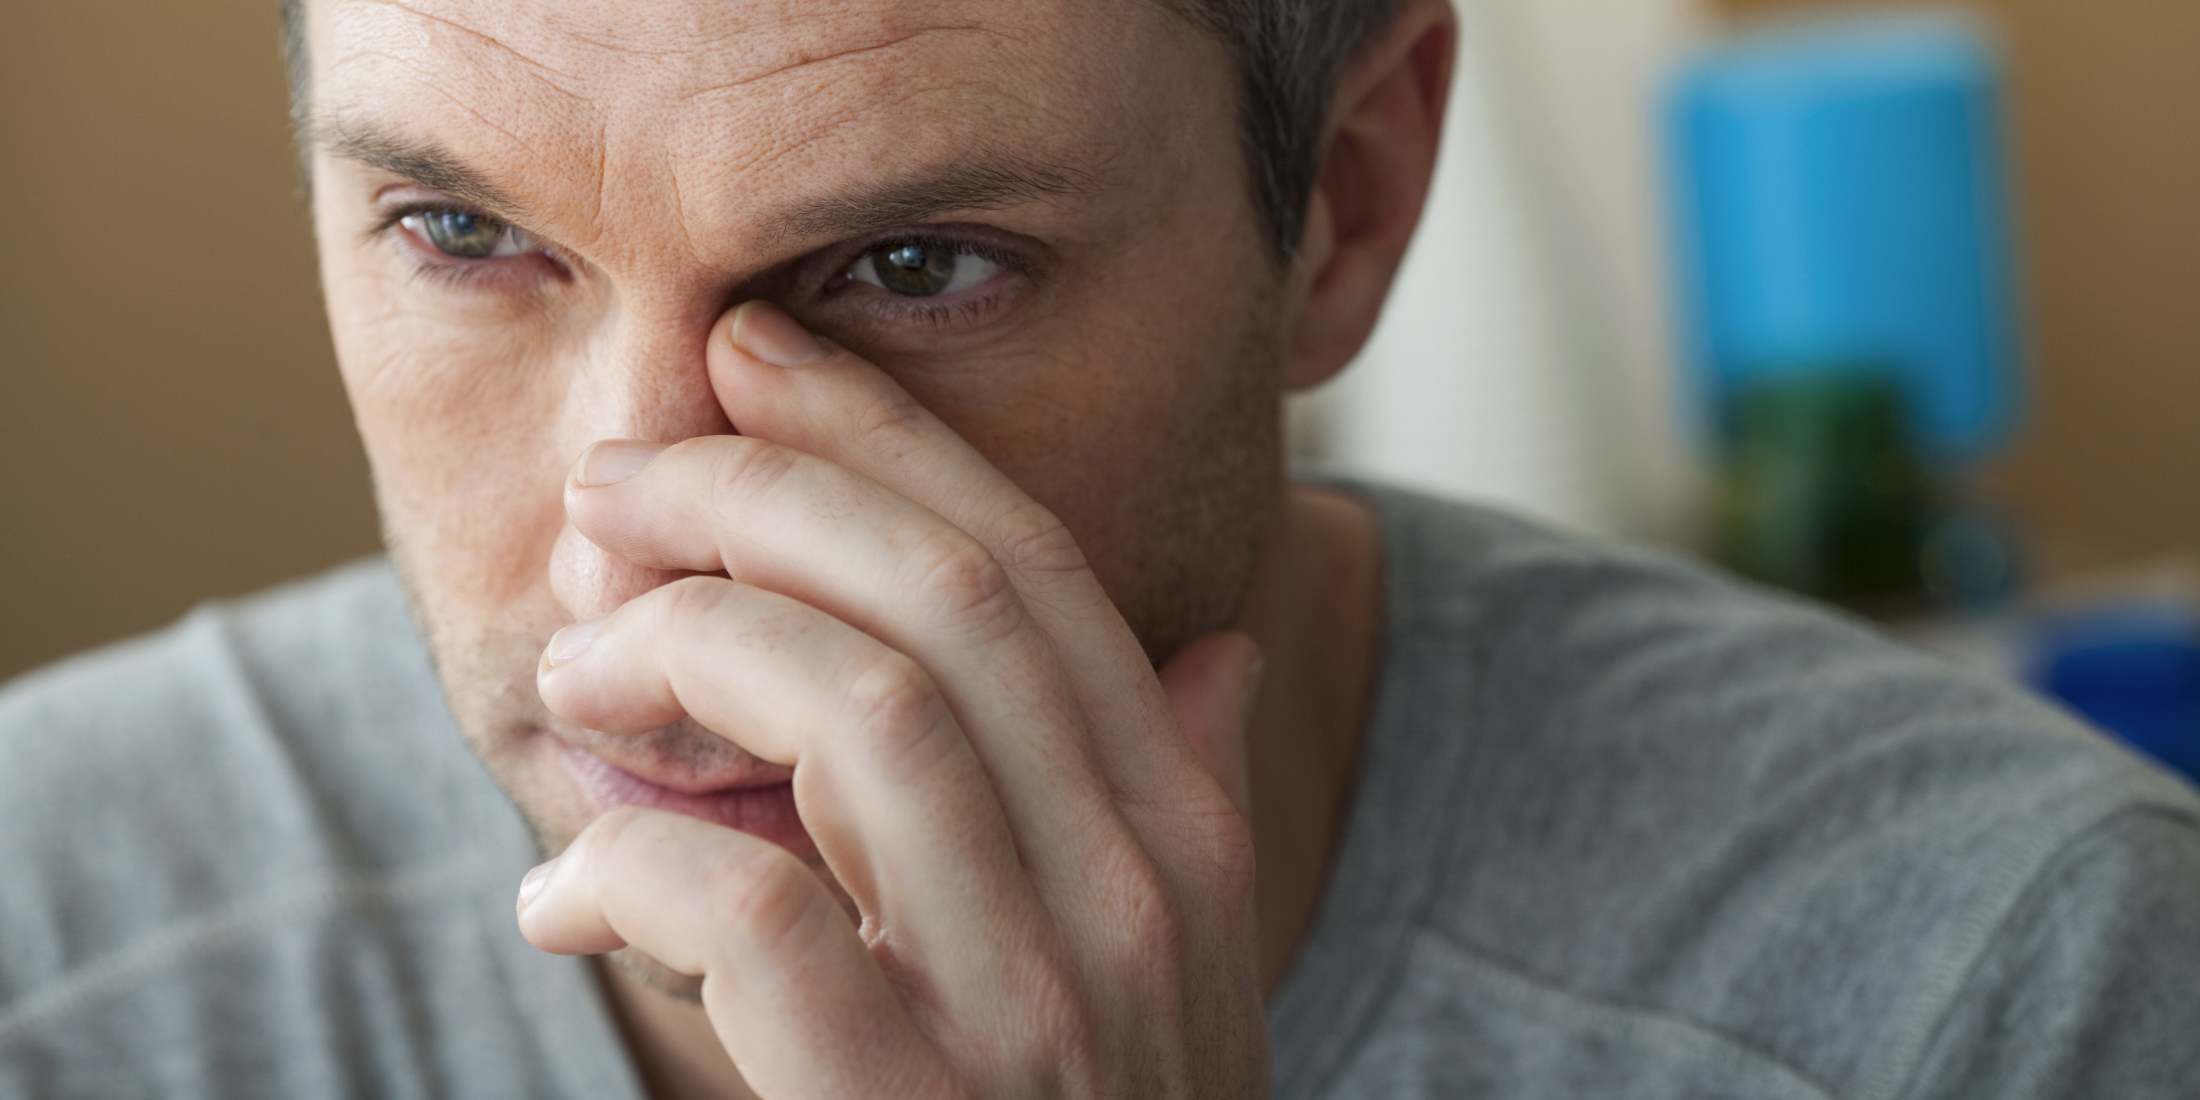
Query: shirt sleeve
column 2092, row 987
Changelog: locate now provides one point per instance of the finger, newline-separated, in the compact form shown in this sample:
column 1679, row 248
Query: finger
column 844, row 410
column 790, row 988
column 834, row 405
column 846, row 545
column 888, row 787
column 1211, row 686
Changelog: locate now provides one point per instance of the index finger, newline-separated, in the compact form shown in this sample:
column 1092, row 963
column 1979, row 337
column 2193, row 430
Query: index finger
column 840, row 408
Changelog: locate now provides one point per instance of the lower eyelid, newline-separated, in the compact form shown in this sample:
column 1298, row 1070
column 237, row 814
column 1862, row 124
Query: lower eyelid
column 888, row 307
column 429, row 263
column 463, row 275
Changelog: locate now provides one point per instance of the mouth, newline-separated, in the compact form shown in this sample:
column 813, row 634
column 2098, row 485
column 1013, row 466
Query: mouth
column 761, row 806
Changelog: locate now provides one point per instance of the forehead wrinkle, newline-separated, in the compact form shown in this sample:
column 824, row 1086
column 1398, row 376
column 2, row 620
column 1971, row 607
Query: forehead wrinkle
column 712, row 28
column 824, row 58
column 695, row 45
column 854, row 164
column 540, row 70
column 679, row 209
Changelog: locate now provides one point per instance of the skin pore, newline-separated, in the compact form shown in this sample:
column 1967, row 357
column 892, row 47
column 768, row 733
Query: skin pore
column 532, row 220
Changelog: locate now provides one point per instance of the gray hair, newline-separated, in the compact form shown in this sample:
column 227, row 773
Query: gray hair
column 1289, row 56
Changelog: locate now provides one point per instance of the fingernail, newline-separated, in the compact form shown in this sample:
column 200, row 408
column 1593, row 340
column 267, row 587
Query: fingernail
column 572, row 641
column 614, row 460
column 765, row 333
column 533, row 883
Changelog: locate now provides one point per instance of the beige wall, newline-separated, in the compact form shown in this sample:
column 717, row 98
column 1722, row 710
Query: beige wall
column 171, row 426
column 2107, row 109
column 2109, row 94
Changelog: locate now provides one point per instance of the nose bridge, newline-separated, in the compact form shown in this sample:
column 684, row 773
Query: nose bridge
column 645, row 378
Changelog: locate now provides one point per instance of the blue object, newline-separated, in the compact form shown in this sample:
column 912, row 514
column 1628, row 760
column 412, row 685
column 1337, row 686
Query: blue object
column 2135, row 671
column 1840, row 203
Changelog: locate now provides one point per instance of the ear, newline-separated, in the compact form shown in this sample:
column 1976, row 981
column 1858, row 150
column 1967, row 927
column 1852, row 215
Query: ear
column 1377, row 156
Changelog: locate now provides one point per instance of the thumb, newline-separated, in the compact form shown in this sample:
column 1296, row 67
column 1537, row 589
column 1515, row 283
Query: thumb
column 1211, row 685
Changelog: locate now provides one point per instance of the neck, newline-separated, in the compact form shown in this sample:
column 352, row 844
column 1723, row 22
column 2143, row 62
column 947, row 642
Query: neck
column 1315, row 607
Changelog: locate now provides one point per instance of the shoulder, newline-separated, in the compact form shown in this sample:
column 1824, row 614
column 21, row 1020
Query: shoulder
column 354, row 611
column 210, row 703
column 1729, row 818
column 201, row 824
column 253, row 715
column 2087, row 986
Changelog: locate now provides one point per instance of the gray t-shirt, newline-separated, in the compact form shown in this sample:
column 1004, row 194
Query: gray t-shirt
column 1621, row 828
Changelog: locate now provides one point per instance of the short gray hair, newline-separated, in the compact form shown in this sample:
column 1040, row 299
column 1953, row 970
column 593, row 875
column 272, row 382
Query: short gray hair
column 1289, row 56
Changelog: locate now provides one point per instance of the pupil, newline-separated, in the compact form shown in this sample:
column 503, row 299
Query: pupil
column 915, row 270
column 467, row 236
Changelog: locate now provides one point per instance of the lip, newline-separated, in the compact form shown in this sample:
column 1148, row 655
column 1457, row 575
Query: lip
column 762, row 808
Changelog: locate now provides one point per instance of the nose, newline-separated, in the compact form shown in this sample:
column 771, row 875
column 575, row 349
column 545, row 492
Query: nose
column 648, row 382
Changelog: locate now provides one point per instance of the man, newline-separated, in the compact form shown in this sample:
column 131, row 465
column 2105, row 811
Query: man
column 831, row 455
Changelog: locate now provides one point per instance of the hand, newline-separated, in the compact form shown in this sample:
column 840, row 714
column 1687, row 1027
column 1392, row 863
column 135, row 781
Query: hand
column 1044, row 840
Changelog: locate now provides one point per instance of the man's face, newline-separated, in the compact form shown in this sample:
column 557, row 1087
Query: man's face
column 1031, row 213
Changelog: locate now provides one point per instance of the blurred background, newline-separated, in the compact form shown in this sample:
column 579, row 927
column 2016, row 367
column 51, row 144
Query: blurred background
column 169, row 404
column 1895, row 306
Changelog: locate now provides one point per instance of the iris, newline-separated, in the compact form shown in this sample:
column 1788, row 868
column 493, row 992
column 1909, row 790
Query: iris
column 465, row 235
column 923, row 269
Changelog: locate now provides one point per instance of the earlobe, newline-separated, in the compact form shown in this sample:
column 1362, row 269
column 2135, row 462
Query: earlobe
column 1377, row 157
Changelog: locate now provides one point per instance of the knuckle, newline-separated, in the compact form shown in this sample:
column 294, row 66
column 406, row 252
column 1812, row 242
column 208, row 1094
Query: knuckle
column 1035, row 541
column 966, row 586
column 1148, row 924
column 1054, row 999
column 1213, row 835
column 889, row 420
column 743, row 467
column 1229, row 862
column 1213, row 845
column 764, row 896
column 1230, row 844
column 897, row 711
column 689, row 601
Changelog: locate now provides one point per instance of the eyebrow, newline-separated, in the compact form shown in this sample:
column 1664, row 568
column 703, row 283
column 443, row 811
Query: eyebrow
column 989, row 179
column 423, row 162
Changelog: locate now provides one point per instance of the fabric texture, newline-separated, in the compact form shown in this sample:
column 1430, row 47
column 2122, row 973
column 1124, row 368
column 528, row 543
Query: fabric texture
column 1621, row 828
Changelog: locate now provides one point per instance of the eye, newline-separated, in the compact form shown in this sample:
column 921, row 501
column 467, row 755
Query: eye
column 922, row 269
column 465, row 235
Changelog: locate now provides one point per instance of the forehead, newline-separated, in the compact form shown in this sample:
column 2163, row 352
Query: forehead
column 720, row 97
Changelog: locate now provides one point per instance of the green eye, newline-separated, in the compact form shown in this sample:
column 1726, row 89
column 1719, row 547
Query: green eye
column 465, row 235
column 921, row 269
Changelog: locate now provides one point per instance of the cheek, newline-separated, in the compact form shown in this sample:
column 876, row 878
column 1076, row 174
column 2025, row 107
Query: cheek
column 452, row 392
column 1137, row 389
column 458, row 424
column 1117, row 425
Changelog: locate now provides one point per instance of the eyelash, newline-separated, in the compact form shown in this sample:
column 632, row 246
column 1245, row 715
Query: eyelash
column 429, row 263
column 923, row 311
